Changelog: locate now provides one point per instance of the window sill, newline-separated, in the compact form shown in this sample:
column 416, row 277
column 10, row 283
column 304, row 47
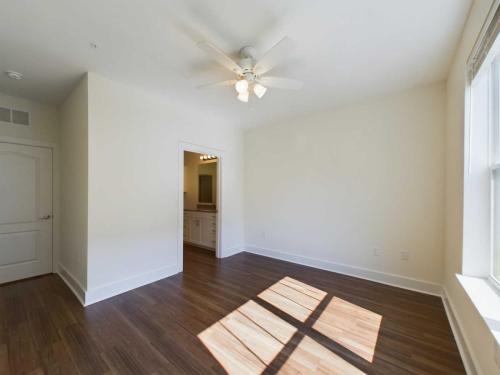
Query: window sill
column 486, row 299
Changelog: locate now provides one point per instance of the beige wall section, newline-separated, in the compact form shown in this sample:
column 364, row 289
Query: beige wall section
column 134, row 142
column 477, row 335
column 44, row 120
column 335, row 185
column 191, row 161
column 74, row 177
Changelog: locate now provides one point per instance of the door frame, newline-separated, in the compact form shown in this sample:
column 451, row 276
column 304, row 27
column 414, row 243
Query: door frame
column 55, row 251
column 190, row 147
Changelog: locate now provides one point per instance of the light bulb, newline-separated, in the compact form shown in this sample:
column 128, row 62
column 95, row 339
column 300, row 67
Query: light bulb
column 259, row 90
column 241, row 86
column 243, row 97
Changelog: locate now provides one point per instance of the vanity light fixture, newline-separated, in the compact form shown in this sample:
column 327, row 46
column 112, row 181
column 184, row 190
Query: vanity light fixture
column 208, row 157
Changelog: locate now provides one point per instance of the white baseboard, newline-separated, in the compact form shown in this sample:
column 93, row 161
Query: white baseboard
column 72, row 283
column 460, row 338
column 362, row 273
column 121, row 286
column 233, row 251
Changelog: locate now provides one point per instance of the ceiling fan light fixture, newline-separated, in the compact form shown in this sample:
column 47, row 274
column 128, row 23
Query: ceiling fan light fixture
column 249, row 71
column 243, row 97
column 259, row 90
column 241, row 86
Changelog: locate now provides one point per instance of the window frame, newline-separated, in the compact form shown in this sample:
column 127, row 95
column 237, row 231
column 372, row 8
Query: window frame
column 494, row 145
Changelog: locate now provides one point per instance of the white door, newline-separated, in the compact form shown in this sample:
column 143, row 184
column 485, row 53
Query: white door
column 25, row 211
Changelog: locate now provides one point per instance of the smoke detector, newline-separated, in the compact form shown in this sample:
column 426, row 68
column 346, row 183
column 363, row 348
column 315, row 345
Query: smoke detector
column 14, row 75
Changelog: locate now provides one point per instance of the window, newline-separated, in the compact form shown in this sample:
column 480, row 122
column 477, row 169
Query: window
column 485, row 134
column 482, row 178
column 480, row 274
column 494, row 78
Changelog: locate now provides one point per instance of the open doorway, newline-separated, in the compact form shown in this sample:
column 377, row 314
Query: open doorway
column 200, row 212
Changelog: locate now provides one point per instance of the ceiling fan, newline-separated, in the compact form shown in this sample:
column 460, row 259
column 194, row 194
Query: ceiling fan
column 250, row 72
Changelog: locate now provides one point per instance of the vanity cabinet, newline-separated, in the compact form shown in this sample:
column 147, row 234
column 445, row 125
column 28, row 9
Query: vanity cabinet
column 200, row 228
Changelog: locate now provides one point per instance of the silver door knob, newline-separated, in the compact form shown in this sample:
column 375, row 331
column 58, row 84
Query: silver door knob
column 46, row 217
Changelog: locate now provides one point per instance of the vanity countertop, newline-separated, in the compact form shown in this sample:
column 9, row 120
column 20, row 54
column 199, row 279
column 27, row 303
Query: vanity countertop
column 200, row 210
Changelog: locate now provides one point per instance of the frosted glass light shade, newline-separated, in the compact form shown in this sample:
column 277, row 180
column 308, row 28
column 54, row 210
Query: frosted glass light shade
column 259, row 90
column 241, row 86
column 243, row 97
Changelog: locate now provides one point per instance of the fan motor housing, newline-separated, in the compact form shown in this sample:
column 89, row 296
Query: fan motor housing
column 247, row 63
column 248, row 52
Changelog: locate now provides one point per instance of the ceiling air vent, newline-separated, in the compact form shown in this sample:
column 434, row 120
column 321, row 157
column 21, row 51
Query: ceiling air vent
column 14, row 116
column 4, row 114
column 20, row 117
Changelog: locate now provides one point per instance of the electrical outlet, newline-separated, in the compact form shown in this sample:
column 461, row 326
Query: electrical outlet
column 405, row 255
column 377, row 251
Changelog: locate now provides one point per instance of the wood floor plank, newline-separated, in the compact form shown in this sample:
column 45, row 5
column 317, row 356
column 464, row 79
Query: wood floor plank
column 84, row 350
column 245, row 314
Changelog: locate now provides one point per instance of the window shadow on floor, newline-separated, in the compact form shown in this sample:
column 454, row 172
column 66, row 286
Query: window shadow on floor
column 294, row 327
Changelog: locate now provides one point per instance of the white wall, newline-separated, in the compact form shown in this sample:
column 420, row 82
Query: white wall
column 334, row 185
column 480, row 340
column 133, row 182
column 74, row 184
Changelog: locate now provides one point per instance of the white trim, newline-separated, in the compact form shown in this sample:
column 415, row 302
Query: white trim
column 486, row 301
column 233, row 251
column 185, row 146
column 463, row 344
column 399, row 281
column 494, row 282
column 121, row 286
column 72, row 283
column 55, row 189
column 88, row 297
column 27, row 142
column 479, row 39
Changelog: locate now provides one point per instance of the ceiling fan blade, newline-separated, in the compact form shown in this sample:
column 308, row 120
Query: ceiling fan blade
column 220, row 57
column 230, row 82
column 281, row 83
column 275, row 55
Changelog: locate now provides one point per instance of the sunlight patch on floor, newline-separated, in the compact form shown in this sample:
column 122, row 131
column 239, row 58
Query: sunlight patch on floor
column 293, row 297
column 233, row 356
column 312, row 358
column 274, row 325
column 251, row 338
column 248, row 339
column 351, row 326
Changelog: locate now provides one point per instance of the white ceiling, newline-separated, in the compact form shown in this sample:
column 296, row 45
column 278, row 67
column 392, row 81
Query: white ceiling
column 345, row 50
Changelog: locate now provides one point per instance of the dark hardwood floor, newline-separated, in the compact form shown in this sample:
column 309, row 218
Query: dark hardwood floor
column 243, row 314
